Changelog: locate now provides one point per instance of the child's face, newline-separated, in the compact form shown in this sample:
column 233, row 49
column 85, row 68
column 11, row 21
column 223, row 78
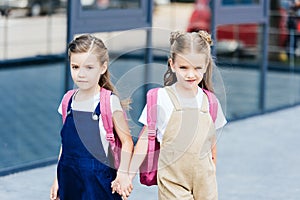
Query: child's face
column 189, row 69
column 86, row 70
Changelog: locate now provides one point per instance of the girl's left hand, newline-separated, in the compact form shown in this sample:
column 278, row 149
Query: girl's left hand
column 54, row 191
column 122, row 185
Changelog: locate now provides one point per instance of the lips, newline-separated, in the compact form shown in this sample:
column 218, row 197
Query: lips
column 191, row 81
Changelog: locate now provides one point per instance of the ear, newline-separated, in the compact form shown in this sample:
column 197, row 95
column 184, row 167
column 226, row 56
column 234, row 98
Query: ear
column 104, row 67
column 171, row 63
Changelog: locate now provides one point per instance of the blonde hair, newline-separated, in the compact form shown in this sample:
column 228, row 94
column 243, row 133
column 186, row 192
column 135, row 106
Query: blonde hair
column 194, row 42
column 90, row 44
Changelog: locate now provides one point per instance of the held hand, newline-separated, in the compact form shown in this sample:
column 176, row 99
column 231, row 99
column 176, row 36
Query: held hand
column 115, row 186
column 54, row 191
column 122, row 185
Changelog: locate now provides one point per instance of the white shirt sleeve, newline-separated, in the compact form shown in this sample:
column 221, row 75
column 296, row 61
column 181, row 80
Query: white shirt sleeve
column 115, row 104
column 59, row 109
column 220, row 120
column 164, row 110
column 143, row 117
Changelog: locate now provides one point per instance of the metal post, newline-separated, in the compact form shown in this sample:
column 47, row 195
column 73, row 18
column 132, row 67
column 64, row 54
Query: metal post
column 5, row 36
column 149, row 50
column 292, row 55
column 264, row 66
column 292, row 49
column 293, row 38
column 213, row 27
column 68, row 80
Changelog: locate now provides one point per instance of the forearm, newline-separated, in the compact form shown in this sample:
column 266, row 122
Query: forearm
column 123, row 132
column 126, row 153
column 140, row 152
column 59, row 155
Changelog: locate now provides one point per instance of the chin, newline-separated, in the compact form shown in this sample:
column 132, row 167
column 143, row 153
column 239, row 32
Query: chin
column 191, row 87
column 82, row 87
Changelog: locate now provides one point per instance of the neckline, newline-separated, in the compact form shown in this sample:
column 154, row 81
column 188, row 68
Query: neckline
column 185, row 98
column 92, row 98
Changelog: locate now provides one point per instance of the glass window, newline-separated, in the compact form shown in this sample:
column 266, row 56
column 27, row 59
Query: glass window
column 239, row 2
column 283, row 87
column 30, row 123
column 238, row 49
column 110, row 4
column 283, row 80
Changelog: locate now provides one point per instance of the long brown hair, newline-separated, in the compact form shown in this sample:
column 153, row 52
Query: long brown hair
column 184, row 43
column 89, row 43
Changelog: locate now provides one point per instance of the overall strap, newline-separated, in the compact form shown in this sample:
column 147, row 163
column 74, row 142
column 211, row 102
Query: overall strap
column 151, row 121
column 173, row 97
column 65, row 102
column 106, row 113
column 205, row 104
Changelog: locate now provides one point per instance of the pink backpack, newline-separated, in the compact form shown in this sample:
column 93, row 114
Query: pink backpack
column 114, row 141
column 148, row 169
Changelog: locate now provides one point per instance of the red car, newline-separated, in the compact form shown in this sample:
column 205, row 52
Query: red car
column 242, row 38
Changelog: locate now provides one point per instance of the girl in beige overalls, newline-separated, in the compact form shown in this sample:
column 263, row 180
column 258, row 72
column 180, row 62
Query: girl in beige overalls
column 185, row 130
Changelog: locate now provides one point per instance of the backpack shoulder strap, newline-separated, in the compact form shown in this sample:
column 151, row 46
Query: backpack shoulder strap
column 152, row 112
column 106, row 113
column 213, row 104
column 151, row 121
column 65, row 102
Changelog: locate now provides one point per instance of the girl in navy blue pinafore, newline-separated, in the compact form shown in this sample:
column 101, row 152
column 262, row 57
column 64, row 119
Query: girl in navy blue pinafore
column 84, row 171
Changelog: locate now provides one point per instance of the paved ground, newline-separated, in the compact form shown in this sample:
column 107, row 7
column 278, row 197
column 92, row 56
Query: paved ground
column 258, row 159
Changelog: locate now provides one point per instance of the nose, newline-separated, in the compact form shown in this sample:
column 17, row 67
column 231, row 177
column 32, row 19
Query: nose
column 81, row 72
column 190, row 74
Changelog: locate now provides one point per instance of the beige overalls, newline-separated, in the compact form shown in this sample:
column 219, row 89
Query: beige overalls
column 185, row 167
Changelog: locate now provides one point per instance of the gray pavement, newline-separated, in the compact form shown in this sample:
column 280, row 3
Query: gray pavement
column 258, row 158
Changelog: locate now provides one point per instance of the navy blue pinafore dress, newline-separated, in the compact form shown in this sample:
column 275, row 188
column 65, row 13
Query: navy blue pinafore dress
column 83, row 170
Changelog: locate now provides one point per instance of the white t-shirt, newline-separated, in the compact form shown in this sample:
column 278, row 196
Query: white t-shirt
column 165, row 109
column 90, row 105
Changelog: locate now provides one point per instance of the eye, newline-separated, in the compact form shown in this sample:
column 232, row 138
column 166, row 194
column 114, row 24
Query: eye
column 75, row 66
column 199, row 68
column 182, row 67
column 90, row 67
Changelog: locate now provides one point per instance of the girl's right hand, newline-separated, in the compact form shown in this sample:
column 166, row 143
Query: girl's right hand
column 122, row 185
column 54, row 191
